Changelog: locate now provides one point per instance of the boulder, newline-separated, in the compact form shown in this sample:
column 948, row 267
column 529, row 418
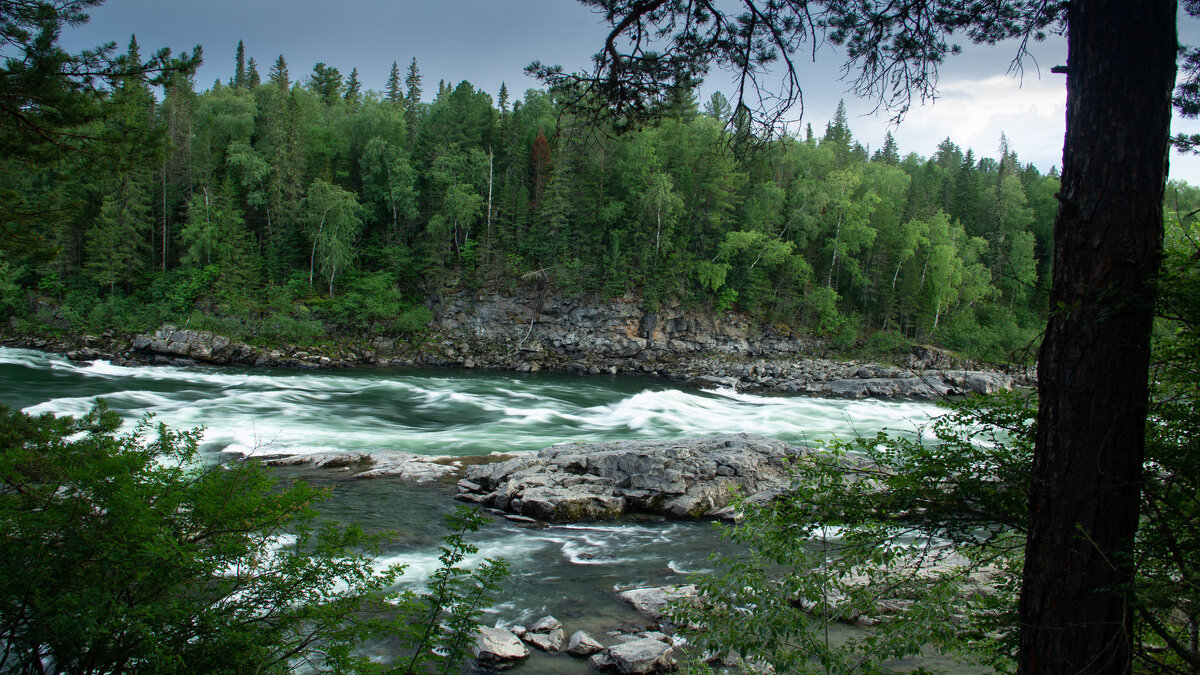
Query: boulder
column 547, row 635
column 645, row 655
column 652, row 601
column 583, row 644
column 496, row 645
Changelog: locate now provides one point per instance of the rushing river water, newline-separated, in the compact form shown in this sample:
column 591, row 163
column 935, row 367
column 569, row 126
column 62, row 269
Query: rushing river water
column 570, row 571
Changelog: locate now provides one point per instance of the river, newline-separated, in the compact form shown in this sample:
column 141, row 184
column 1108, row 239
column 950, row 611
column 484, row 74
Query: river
column 570, row 571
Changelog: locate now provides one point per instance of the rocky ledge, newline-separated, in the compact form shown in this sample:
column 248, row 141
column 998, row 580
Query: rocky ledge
column 689, row 478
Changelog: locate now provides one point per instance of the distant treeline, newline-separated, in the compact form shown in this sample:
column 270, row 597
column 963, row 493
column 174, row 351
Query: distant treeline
column 309, row 204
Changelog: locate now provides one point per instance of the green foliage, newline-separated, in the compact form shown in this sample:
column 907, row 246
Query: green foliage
column 265, row 181
column 124, row 553
column 889, row 530
column 923, row 533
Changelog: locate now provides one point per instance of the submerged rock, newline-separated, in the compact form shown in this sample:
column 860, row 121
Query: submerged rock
column 689, row 478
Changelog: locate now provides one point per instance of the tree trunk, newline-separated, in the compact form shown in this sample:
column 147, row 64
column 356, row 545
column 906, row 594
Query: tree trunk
column 1075, row 615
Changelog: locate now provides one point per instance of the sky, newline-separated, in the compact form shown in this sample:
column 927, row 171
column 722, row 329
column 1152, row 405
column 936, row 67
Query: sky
column 487, row 42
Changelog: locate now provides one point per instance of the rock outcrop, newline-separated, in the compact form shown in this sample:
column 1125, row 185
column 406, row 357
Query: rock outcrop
column 530, row 331
column 688, row 478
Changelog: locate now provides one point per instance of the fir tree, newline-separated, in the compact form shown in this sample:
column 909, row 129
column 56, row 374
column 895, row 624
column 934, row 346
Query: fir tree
column 502, row 99
column 353, row 88
column 117, row 240
column 889, row 153
column 239, row 75
column 252, row 77
column 393, row 93
column 326, row 82
column 412, row 97
column 279, row 74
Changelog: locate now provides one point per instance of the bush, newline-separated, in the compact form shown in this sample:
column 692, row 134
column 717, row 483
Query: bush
column 123, row 554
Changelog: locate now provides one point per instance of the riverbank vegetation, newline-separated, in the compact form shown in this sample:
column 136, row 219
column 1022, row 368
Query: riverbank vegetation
column 123, row 552
column 926, row 539
column 289, row 205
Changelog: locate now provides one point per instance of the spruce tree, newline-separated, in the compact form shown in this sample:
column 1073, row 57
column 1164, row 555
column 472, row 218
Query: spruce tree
column 252, row 77
column 502, row 99
column 117, row 240
column 353, row 88
column 326, row 82
column 889, row 153
column 278, row 74
column 393, row 93
column 239, row 75
column 412, row 98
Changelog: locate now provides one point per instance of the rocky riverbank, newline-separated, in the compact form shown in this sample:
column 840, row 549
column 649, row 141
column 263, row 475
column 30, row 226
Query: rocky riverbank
column 530, row 332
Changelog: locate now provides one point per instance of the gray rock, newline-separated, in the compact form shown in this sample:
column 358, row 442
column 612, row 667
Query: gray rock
column 545, row 624
column 689, row 478
column 583, row 644
column 547, row 635
column 554, row 641
column 496, row 645
column 652, row 601
column 645, row 655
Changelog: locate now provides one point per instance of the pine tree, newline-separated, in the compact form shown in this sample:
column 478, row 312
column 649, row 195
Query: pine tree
column 838, row 136
column 889, row 153
column 279, row 75
column 252, row 77
column 718, row 107
column 502, row 100
column 412, row 98
column 353, row 93
column 117, row 240
column 393, row 93
column 326, row 82
column 239, row 75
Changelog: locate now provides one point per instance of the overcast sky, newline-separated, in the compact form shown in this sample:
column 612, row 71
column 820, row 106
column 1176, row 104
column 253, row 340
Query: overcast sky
column 487, row 42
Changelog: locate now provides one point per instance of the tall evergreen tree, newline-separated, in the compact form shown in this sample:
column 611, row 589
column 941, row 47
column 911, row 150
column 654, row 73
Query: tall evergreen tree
column 353, row 93
column 239, row 74
column 393, row 93
column 326, row 82
column 253, row 79
column 278, row 74
column 889, row 153
column 118, row 241
column 502, row 99
column 412, row 96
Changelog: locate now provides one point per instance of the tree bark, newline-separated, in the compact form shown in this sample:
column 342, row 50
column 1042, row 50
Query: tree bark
column 1093, row 366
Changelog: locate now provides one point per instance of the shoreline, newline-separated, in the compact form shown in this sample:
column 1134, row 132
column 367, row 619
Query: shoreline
column 929, row 373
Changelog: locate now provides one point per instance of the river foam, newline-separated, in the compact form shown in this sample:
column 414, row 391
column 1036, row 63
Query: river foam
column 428, row 412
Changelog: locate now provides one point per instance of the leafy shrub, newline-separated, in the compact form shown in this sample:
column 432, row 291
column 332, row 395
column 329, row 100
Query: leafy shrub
column 123, row 554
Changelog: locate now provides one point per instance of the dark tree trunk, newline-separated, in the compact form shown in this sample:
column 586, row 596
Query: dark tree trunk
column 1093, row 366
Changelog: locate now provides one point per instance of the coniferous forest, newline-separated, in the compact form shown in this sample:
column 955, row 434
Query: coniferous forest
column 288, row 204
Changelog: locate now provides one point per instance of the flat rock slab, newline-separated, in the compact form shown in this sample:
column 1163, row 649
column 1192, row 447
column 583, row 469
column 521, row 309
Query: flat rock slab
column 406, row 465
column 688, row 478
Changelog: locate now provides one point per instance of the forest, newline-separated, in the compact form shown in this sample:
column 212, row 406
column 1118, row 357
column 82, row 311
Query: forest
column 287, row 207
